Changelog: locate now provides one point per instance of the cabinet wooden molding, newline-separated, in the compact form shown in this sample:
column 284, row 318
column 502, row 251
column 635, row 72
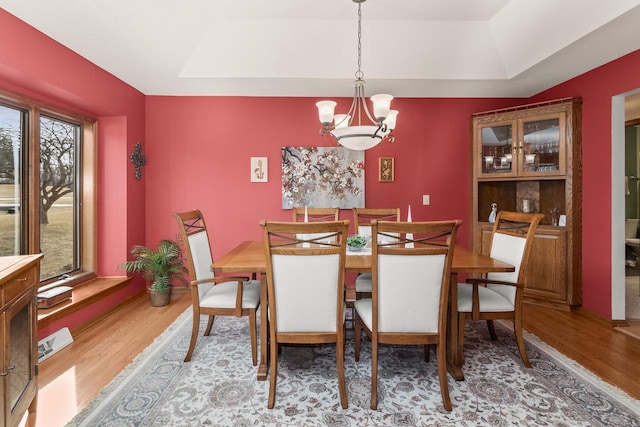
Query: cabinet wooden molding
column 529, row 158
column 19, row 278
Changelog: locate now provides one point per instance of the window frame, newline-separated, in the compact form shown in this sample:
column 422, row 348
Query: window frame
column 30, row 179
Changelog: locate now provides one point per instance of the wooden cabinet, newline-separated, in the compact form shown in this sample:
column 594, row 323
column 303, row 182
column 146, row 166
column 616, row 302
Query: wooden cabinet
column 19, row 277
column 529, row 157
column 532, row 146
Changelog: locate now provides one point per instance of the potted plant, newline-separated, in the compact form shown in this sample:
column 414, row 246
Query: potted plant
column 356, row 243
column 159, row 266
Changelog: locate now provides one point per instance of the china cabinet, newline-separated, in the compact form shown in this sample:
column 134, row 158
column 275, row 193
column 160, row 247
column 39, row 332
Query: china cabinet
column 528, row 159
column 19, row 277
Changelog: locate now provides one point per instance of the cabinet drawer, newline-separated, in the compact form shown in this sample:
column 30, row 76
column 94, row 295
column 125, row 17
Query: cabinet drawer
column 18, row 284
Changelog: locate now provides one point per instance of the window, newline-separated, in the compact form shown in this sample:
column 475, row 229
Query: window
column 47, row 203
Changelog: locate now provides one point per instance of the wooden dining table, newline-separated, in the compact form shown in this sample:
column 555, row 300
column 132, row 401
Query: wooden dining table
column 249, row 257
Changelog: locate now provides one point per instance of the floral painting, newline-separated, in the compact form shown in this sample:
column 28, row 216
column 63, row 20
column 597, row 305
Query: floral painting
column 328, row 177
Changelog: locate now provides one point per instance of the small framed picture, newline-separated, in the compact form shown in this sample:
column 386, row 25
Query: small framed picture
column 259, row 169
column 386, row 169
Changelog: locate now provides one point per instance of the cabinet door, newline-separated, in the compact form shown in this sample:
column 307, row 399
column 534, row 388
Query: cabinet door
column 20, row 379
column 547, row 274
column 4, row 362
column 542, row 145
column 494, row 149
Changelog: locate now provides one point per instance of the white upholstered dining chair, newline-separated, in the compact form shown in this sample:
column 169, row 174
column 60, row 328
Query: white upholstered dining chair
column 410, row 293
column 305, row 308
column 362, row 218
column 500, row 295
column 214, row 296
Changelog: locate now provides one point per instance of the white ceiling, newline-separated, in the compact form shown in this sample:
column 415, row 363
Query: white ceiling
column 410, row 48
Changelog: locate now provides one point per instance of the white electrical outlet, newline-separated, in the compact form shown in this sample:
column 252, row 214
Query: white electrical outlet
column 425, row 200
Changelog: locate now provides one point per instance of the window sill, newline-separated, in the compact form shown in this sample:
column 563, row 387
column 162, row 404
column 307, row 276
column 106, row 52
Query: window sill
column 82, row 296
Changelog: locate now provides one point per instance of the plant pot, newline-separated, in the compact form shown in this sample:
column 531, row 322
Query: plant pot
column 160, row 299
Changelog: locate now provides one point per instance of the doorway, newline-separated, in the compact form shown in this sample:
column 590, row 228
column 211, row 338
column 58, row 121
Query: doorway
column 625, row 265
column 632, row 218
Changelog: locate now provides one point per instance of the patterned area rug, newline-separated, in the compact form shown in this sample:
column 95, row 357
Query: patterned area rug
column 219, row 387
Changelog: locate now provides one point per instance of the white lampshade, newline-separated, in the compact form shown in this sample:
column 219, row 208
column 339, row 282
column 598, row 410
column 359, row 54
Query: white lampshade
column 358, row 138
column 381, row 105
column 325, row 111
column 341, row 120
column 390, row 121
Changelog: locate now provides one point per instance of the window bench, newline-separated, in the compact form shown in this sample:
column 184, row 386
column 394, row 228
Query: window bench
column 83, row 295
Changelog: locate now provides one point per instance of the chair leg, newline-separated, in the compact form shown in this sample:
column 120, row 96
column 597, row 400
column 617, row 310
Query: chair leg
column 492, row 330
column 517, row 328
column 341, row 381
column 357, row 338
column 441, row 354
column 209, row 325
column 427, row 350
column 374, row 374
column 273, row 373
column 253, row 336
column 461, row 322
column 194, row 335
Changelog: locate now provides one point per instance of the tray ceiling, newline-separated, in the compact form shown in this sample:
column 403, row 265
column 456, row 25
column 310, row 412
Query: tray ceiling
column 410, row 48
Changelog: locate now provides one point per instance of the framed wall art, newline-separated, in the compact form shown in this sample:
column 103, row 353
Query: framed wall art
column 386, row 169
column 259, row 169
column 324, row 177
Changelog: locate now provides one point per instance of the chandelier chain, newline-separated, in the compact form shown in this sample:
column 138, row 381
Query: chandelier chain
column 359, row 73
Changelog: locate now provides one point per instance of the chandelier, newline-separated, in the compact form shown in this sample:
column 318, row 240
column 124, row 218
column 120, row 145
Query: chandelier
column 351, row 130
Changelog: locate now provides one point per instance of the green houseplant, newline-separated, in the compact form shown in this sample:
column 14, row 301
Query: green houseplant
column 159, row 266
column 357, row 242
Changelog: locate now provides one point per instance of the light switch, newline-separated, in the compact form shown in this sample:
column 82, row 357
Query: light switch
column 425, row 200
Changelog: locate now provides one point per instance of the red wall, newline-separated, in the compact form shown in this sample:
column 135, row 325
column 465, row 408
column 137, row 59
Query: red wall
column 596, row 88
column 198, row 151
column 200, row 148
column 35, row 66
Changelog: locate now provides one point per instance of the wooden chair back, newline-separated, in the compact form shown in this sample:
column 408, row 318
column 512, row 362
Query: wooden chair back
column 362, row 218
column 316, row 214
column 305, row 278
column 511, row 242
column 411, row 276
column 195, row 237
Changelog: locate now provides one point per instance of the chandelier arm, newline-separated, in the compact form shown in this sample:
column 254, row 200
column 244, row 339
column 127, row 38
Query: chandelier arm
column 361, row 102
column 381, row 128
column 360, row 135
column 353, row 109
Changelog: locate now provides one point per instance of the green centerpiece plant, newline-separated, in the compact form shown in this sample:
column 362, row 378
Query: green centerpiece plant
column 356, row 242
column 159, row 266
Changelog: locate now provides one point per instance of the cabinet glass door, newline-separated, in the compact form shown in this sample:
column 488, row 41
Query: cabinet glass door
column 495, row 149
column 542, row 145
column 20, row 353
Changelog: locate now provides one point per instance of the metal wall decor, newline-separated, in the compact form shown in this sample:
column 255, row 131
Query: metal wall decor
column 138, row 159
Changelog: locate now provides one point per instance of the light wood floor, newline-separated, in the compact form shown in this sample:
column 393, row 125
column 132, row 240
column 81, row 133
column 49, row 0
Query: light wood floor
column 70, row 379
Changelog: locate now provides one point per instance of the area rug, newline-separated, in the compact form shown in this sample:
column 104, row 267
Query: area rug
column 219, row 387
